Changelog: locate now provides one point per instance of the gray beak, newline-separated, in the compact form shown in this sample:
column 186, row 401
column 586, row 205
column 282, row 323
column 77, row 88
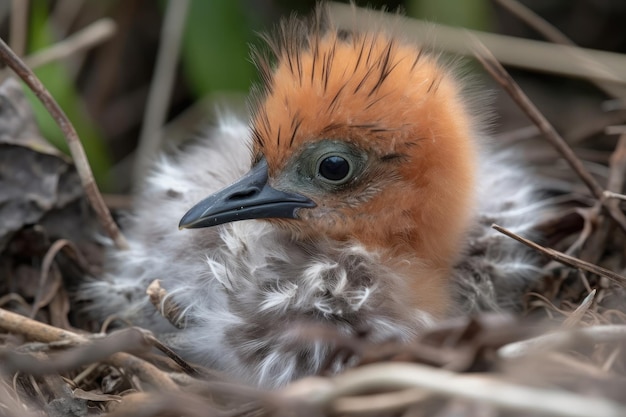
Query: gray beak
column 249, row 198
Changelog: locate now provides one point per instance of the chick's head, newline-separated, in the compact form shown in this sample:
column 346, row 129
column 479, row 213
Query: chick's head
column 358, row 138
column 375, row 133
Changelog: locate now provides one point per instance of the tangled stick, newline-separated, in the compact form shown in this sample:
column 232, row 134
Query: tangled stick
column 40, row 332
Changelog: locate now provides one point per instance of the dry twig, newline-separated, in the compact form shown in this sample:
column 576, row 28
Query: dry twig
column 380, row 403
column 34, row 330
column 553, row 34
column 574, row 318
column 596, row 245
column 184, row 365
column 615, row 130
column 617, row 164
column 88, row 37
column 564, row 339
column 487, row 389
column 19, row 26
column 164, row 305
column 523, row 53
column 163, row 404
column 563, row 258
column 610, row 194
column 73, row 141
column 161, row 85
column 510, row 86
column 41, row 298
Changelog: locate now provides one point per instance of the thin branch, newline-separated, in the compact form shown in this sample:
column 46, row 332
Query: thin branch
column 161, row 85
column 379, row 403
column 37, row 331
column 563, row 258
column 165, row 404
column 483, row 388
column 574, row 318
column 615, row 130
column 88, row 37
column 44, row 293
column 184, row 365
column 493, row 67
column 610, row 194
column 503, row 78
column 551, row 33
column 19, row 25
column 535, row 21
column 98, row 349
column 563, row 340
column 595, row 125
column 73, row 141
column 64, row 15
column 596, row 244
column 613, row 356
column 617, row 165
column 615, row 104
column 523, row 53
column 164, row 305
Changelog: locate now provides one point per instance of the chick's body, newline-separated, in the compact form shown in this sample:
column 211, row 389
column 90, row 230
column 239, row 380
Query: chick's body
column 381, row 225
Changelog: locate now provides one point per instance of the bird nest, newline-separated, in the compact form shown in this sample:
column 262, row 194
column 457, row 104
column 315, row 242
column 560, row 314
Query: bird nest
column 564, row 355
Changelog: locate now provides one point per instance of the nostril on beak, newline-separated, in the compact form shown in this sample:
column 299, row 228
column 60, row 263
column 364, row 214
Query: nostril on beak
column 243, row 194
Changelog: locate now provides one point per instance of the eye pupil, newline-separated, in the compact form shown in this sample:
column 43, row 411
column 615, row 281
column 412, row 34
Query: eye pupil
column 334, row 168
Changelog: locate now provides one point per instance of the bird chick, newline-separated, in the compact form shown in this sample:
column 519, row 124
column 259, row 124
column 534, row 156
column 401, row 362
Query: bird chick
column 365, row 207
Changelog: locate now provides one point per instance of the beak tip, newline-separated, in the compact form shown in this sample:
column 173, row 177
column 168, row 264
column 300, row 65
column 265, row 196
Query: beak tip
column 182, row 224
column 187, row 221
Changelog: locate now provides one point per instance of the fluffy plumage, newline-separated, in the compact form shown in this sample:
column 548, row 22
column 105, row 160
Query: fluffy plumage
column 405, row 241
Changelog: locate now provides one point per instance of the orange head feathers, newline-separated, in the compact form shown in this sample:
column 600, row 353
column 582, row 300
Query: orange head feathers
column 359, row 138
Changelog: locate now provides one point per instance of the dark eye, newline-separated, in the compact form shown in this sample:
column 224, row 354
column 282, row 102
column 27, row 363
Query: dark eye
column 334, row 168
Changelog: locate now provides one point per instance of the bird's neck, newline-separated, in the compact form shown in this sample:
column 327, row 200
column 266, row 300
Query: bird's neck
column 426, row 266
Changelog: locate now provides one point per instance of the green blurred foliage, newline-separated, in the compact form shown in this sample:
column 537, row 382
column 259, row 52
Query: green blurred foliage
column 59, row 82
column 216, row 47
column 471, row 14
